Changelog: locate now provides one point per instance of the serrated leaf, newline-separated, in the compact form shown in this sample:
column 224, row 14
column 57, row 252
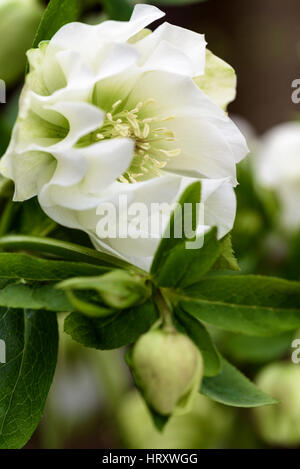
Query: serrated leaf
column 31, row 340
column 231, row 387
column 199, row 335
column 248, row 304
column 174, row 264
column 57, row 14
column 26, row 267
column 122, row 329
column 227, row 259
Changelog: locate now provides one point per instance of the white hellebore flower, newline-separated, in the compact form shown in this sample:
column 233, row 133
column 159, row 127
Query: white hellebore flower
column 278, row 169
column 111, row 110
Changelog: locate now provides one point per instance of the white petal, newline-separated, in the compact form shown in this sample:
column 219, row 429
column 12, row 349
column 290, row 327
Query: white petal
column 83, row 118
column 220, row 208
column 87, row 39
column 142, row 16
column 205, row 152
column 29, row 170
column 173, row 49
column 211, row 143
column 107, row 161
column 83, row 175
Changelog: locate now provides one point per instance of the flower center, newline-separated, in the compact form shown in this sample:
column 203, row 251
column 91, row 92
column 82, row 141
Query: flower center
column 154, row 143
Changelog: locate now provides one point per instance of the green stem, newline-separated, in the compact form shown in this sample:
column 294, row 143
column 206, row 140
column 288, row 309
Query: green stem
column 165, row 311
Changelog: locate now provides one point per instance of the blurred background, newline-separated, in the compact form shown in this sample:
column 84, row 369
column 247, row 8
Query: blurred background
column 92, row 403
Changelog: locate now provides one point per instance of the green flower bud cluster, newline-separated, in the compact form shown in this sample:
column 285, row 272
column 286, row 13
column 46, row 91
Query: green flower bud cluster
column 168, row 369
column 280, row 424
column 19, row 20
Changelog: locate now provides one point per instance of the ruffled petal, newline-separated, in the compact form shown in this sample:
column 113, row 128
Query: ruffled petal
column 173, row 49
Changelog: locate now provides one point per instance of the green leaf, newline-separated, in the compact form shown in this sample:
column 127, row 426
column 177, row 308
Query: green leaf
column 184, row 267
column 37, row 296
column 31, row 340
column 249, row 304
column 227, row 259
column 174, row 264
column 122, row 329
column 62, row 249
column 199, row 335
column 232, row 388
column 23, row 266
column 57, row 14
column 191, row 195
column 118, row 9
column 33, row 221
column 248, row 349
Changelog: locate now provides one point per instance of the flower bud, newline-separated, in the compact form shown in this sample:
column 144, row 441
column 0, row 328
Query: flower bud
column 116, row 290
column 168, row 369
column 19, row 20
column 280, row 424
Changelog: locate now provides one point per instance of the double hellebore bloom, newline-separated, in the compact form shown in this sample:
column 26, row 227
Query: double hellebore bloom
column 114, row 110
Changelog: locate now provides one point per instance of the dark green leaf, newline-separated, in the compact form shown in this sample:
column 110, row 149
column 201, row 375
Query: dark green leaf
column 62, row 249
column 122, row 329
column 31, row 340
column 23, row 266
column 253, row 305
column 33, row 221
column 118, row 9
column 192, row 195
column 175, row 264
column 232, row 388
column 37, row 296
column 248, row 349
column 199, row 335
column 57, row 14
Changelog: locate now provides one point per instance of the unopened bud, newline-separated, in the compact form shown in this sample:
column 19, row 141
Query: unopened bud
column 168, row 369
column 115, row 290
column 279, row 424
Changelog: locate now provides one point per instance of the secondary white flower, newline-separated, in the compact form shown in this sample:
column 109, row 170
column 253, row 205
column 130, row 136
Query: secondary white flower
column 113, row 109
column 278, row 169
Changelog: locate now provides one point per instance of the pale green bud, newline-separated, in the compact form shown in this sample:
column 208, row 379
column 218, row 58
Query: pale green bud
column 279, row 424
column 168, row 368
column 116, row 290
column 19, row 20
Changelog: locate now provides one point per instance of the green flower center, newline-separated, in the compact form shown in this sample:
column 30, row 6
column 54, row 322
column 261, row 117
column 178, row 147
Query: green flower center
column 154, row 143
